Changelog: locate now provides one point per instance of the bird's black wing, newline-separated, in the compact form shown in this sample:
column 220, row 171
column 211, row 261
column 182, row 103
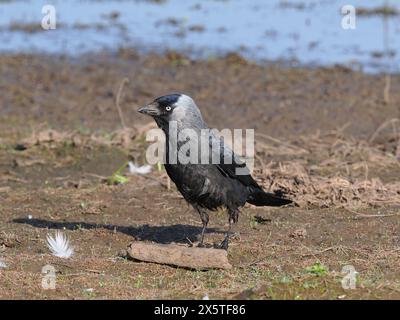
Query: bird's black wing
column 229, row 164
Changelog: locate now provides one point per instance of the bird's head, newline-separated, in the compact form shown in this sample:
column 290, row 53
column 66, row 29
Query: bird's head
column 174, row 107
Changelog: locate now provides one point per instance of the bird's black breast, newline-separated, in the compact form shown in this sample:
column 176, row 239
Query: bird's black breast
column 205, row 186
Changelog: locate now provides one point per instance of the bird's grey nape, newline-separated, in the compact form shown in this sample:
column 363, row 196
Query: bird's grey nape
column 187, row 114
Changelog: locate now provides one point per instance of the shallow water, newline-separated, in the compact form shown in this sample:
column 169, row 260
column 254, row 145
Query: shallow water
column 307, row 32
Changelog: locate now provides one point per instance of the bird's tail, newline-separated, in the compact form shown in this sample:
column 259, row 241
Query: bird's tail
column 260, row 198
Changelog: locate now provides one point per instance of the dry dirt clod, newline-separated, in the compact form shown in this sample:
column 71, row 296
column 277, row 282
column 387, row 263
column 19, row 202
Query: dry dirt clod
column 261, row 220
column 9, row 240
column 299, row 233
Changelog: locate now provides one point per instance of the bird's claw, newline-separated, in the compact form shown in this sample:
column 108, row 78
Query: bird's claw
column 224, row 244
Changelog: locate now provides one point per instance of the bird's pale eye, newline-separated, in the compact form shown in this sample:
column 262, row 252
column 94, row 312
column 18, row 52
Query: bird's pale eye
column 168, row 108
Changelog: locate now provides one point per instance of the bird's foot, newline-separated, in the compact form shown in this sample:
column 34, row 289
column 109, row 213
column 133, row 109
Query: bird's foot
column 224, row 244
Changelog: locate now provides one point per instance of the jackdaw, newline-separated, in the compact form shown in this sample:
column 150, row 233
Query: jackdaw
column 208, row 185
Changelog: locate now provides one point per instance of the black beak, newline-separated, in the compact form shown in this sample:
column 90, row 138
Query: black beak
column 151, row 110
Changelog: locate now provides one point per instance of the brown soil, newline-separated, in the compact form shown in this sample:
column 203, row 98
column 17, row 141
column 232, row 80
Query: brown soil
column 317, row 141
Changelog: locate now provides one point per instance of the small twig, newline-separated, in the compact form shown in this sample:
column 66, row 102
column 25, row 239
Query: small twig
column 63, row 264
column 62, row 178
column 318, row 252
column 386, row 90
column 154, row 179
column 95, row 176
column 363, row 215
column 95, row 271
column 381, row 127
column 398, row 151
column 81, row 274
column 5, row 189
column 190, row 242
column 366, row 174
column 117, row 101
column 281, row 142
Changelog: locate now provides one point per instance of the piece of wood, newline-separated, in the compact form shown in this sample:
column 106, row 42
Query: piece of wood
column 180, row 256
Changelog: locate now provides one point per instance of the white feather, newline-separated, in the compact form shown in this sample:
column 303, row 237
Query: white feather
column 140, row 170
column 59, row 245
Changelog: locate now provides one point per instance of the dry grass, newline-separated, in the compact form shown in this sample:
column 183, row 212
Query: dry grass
column 316, row 171
column 330, row 171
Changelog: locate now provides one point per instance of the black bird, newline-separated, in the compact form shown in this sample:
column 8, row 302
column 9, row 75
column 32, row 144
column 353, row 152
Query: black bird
column 210, row 185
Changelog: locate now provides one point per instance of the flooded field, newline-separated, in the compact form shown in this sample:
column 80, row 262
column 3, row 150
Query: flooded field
column 296, row 32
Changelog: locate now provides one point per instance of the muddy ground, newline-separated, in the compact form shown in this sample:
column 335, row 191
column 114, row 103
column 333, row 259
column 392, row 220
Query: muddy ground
column 326, row 137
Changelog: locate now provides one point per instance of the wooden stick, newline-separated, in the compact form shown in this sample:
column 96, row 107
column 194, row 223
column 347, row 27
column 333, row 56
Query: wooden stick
column 180, row 256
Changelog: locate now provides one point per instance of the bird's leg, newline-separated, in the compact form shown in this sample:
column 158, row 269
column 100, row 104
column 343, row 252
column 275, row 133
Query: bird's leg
column 224, row 244
column 204, row 219
column 233, row 218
